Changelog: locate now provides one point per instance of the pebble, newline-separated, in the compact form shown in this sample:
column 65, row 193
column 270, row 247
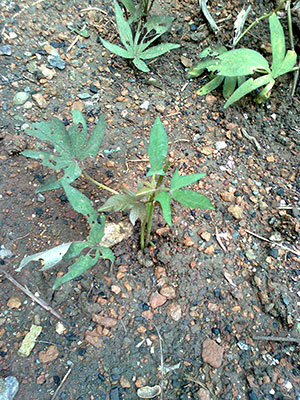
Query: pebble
column 273, row 253
column 5, row 253
column 250, row 254
column 174, row 311
column 295, row 212
column 20, row 98
column 14, row 302
column 212, row 353
column 220, row 145
column 55, row 61
column 5, row 50
column 227, row 196
column 107, row 322
column 157, row 300
column 49, row 355
column 160, row 108
column 8, row 388
column 145, row 105
column 168, row 291
column 93, row 88
column 40, row 100
column 41, row 198
column 236, row 211
column 203, row 394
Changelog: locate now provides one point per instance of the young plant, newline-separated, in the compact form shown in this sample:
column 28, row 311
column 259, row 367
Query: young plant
column 239, row 63
column 210, row 63
column 137, row 38
column 149, row 194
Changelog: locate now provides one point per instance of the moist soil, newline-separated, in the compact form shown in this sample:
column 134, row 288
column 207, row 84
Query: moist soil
column 147, row 319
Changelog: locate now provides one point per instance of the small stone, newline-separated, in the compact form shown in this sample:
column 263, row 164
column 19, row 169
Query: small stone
column 40, row 100
column 206, row 236
column 186, row 61
column 40, row 380
column 8, row 388
column 14, row 302
column 47, row 72
column 174, row 311
column 145, row 105
column 115, row 289
column 93, row 88
column 140, row 382
column 49, row 355
column 124, row 382
column 209, row 250
column 114, row 394
column 206, row 150
column 295, row 212
column 94, row 338
column 210, row 99
column 168, row 291
column 157, row 300
column 221, row 145
column 20, row 98
column 236, row 211
column 212, row 353
column 271, row 158
column 107, row 322
column 250, row 255
column 160, row 108
column 83, row 96
column 5, row 50
column 55, row 61
column 273, row 253
column 41, row 198
column 227, row 196
column 203, row 394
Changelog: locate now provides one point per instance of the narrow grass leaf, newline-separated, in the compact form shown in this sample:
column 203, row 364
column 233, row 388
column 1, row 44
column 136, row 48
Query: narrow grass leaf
column 123, row 27
column 277, row 43
column 247, row 87
column 211, row 85
column 229, row 86
column 141, row 65
column 164, row 200
column 192, row 199
column 179, row 181
column 158, row 148
column 158, row 50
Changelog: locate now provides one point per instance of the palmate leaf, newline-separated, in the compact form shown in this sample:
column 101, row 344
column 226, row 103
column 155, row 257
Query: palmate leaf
column 70, row 146
column 158, row 148
column 192, row 199
column 164, row 200
column 178, row 181
column 158, row 23
column 118, row 202
column 138, row 211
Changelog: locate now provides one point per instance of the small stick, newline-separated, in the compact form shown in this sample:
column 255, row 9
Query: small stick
column 41, row 302
column 62, row 382
column 75, row 40
column 161, row 362
column 93, row 9
column 218, row 237
column 297, row 252
column 251, row 138
column 277, row 339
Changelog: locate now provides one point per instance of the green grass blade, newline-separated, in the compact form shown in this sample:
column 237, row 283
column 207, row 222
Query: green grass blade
column 229, row 86
column 211, row 85
column 95, row 140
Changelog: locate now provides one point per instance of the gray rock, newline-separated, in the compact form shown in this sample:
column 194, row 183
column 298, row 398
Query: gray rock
column 55, row 61
column 8, row 388
column 20, row 98
column 5, row 50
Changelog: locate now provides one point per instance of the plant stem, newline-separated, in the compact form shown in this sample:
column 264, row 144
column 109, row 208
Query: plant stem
column 98, row 183
column 142, row 241
column 260, row 19
column 149, row 221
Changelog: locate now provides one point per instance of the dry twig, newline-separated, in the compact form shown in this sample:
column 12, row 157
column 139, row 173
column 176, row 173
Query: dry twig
column 161, row 362
column 277, row 339
column 62, row 383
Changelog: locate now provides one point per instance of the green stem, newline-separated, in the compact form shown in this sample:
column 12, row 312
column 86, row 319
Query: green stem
column 142, row 241
column 149, row 222
column 98, row 183
column 259, row 19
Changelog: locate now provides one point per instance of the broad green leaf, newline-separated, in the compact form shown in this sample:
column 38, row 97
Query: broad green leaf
column 79, row 122
column 138, row 211
column 129, row 4
column 164, row 200
column 159, row 23
column 141, row 65
column 49, row 185
column 117, row 202
column 211, row 85
column 83, row 263
column 179, row 181
column 75, row 249
column 97, row 230
column 229, row 86
column 199, row 68
column 241, row 80
column 107, row 253
column 119, row 51
column 48, row 258
column 287, row 64
column 247, row 87
column 277, row 43
column 53, row 132
column 71, row 173
column 158, row 50
column 123, row 27
column 158, row 148
column 192, row 199
column 241, row 62
column 83, row 32
column 49, row 160
column 80, row 202
column 95, row 140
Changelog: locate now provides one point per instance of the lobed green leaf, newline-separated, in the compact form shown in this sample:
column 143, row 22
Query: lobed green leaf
column 192, row 199
column 164, row 200
column 179, row 181
column 138, row 211
column 74, row 250
column 95, row 140
column 97, row 230
column 287, row 64
column 158, row 148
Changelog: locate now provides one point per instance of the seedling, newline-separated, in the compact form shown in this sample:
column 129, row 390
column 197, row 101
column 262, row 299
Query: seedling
column 138, row 38
column 149, row 194
column 238, row 63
